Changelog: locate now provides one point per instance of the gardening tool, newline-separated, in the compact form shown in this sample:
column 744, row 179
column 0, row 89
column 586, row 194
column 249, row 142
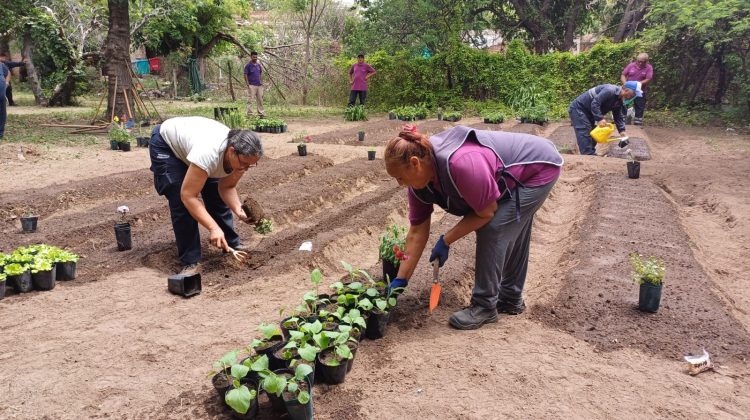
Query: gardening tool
column 436, row 289
column 240, row 256
column 601, row 135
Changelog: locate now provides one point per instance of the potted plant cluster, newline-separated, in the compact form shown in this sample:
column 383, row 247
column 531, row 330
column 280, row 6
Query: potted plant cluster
column 493, row 117
column 411, row 113
column 452, row 116
column 29, row 221
column 37, row 266
column 317, row 343
column 535, row 115
column 123, row 234
column 355, row 113
column 392, row 250
column 120, row 136
column 649, row 273
column 269, row 125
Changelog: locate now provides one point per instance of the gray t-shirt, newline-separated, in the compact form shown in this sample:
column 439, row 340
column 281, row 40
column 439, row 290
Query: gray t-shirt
column 197, row 140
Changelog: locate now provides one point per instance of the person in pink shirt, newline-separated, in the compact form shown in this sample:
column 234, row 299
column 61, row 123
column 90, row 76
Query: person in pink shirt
column 639, row 71
column 359, row 74
column 496, row 181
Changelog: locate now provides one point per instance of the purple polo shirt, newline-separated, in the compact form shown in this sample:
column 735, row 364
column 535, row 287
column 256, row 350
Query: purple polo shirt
column 473, row 168
column 252, row 73
column 360, row 72
column 633, row 72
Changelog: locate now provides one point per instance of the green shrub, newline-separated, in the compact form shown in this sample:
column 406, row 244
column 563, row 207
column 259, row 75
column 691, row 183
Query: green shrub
column 493, row 117
column 355, row 113
column 538, row 114
column 235, row 120
column 452, row 116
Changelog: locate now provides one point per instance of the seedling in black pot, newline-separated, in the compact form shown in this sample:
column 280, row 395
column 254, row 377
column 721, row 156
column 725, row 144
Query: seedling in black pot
column 122, row 230
column 649, row 273
column 28, row 221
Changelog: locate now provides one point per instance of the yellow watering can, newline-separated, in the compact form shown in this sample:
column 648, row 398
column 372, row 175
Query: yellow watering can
column 601, row 134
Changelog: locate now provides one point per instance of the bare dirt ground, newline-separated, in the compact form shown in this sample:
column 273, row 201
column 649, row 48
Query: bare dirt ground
column 115, row 344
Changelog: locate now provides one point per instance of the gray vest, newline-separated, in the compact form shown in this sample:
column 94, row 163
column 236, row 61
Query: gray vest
column 512, row 149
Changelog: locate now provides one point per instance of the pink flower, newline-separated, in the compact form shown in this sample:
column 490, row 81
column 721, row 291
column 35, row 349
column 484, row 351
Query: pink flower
column 308, row 139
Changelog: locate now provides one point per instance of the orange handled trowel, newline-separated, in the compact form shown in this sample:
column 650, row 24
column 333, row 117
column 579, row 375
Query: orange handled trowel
column 436, row 289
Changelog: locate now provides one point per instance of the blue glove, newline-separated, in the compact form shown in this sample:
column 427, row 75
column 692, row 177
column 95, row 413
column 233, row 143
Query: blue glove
column 397, row 283
column 440, row 251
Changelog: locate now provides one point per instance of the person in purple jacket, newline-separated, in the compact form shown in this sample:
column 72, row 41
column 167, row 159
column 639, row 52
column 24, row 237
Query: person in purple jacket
column 496, row 181
column 639, row 71
column 359, row 74
column 253, row 71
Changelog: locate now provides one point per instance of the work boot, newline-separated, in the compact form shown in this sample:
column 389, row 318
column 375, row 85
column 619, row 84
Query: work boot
column 506, row 306
column 190, row 269
column 472, row 317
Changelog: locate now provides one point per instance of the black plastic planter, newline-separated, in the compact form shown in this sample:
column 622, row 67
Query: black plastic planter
column 371, row 155
column 125, row 147
column 113, row 145
column 142, row 141
column 222, row 382
column 440, row 117
column 376, row 324
column 391, row 115
column 284, row 128
column 331, row 375
column 123, row 237
column 361, row 136
column 66, row 271
column 2, row 289
column 276, row 361
column 302, row 150
column 252, row 411
column 350, row 363
column 185, row 285
column 28, row 224
column 271, row 347
column 298, row 411
column 22, row 282
column 390, row 271
column 285, row 329
column 649, row 297
column 44, row 280
column 634, row 170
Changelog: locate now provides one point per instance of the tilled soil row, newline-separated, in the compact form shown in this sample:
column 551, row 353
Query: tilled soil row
column 564, row 138
column 377, row 133
column 597, row 302
column 128, row 188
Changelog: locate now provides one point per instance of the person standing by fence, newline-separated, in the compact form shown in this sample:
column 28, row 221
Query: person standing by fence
column 253, row 72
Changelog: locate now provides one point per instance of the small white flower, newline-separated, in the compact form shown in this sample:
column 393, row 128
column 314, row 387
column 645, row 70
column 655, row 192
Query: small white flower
column 123, row 209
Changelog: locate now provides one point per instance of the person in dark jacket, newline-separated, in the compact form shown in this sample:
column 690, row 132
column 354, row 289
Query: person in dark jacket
column 589, row 109
column 496, row 182
column 10, row 65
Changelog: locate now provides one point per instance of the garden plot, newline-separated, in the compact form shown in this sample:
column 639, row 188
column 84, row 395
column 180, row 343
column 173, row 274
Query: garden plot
column 598, row 300
column 377, row 133
column 564, row 138
column 637, row 145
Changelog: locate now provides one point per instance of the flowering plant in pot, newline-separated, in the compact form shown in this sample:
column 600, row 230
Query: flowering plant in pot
column 392, row 250
column 120, row 136
column 649, row 273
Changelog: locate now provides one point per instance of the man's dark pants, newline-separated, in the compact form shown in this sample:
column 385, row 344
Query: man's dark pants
column 583, row 123
column 3, row 108
column 169, row 172
column 353, row 97
column 640, row 106
column 9, row 94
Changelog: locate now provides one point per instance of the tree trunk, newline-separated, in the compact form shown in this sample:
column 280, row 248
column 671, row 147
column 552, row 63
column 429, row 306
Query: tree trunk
column 631, row 20
column 117, row 57
column 305, row 67
column 32, row 75
column 570, row 27
column 724, row 79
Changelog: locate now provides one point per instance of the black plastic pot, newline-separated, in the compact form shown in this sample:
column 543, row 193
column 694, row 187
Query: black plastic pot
column 390, row 271
column 123, row 236
column 284, row 128
column 185, row 285
column 331, row 375
column 2, row 289
column 440, row 117
column 371, row 155
column 28, row 224
column 222, row 382
column 44, row 280
column 66, row 271
column 350, row 363
column 302, row 150
column 376, row 324
column 22, row 282
column 125, row 147
column 273, row 345
column 275, row 361
column 634, row 170
column 391, row 115
column 252, row 411
column 142, row 141
column 113, row 145
column 649, row 297
column 285, row 330
column 299, row 411
column 361, row 136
